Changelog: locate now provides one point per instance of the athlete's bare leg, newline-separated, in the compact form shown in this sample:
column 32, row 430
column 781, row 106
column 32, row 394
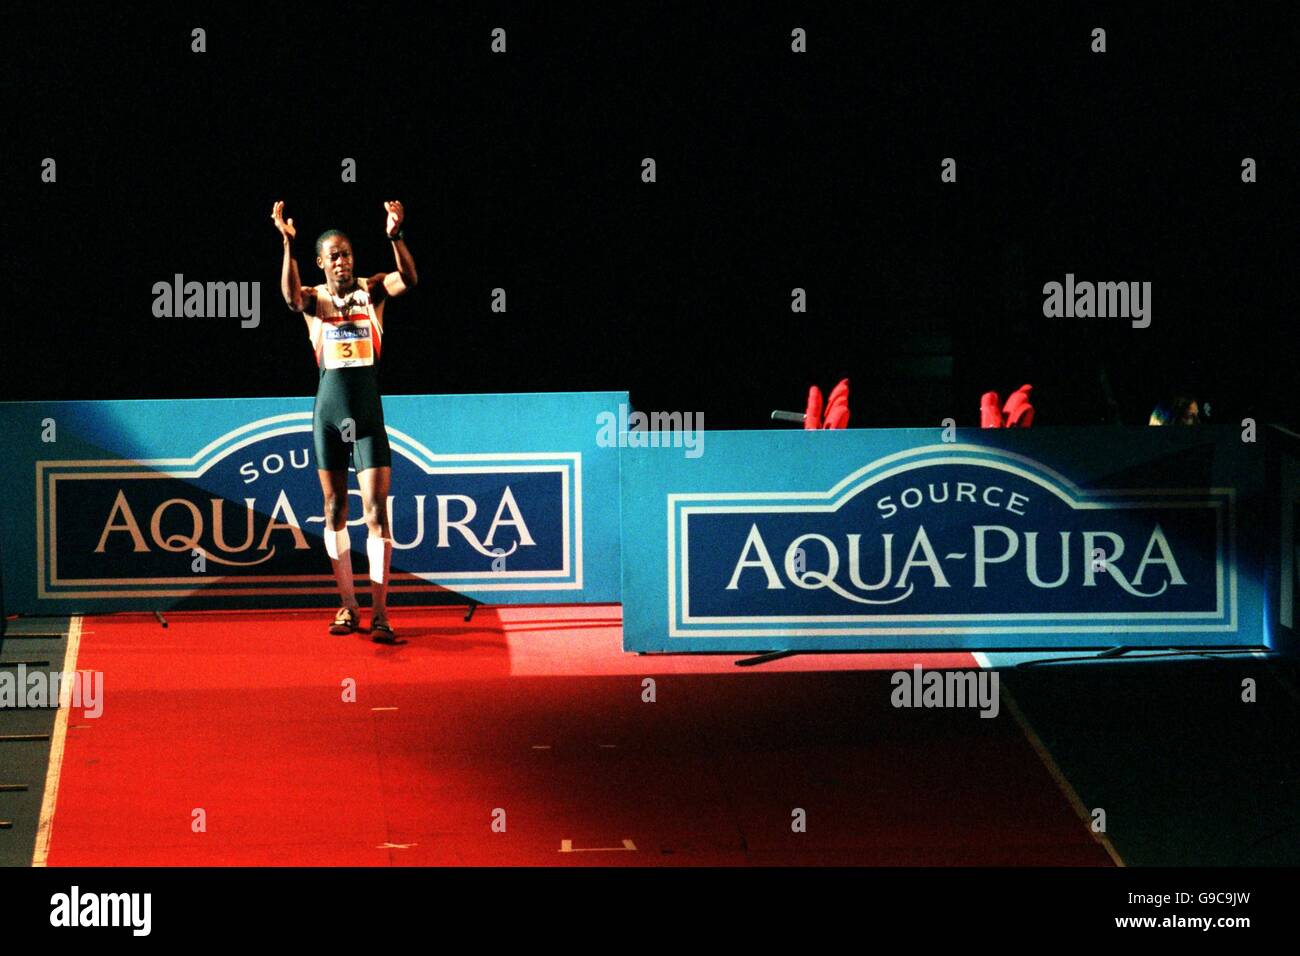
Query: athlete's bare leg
column 379, row 540
column 334, row 488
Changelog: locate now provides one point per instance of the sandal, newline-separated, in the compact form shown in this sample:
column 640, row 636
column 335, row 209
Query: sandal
column 382, row 632
column 346, row 621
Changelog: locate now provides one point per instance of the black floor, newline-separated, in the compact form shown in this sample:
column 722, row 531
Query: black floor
column 23, row 762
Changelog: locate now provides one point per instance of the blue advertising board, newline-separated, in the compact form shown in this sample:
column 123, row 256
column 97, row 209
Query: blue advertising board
column 897, row 539
column 498, row 498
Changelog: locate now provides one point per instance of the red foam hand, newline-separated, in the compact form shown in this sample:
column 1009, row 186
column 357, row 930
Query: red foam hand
column 839, row 392
column 812, row 416
column 837, row 406
column 1018, row 412
column 990, row 415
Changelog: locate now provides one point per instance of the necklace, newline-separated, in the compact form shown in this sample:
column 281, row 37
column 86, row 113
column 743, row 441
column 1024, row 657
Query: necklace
column 341, row 305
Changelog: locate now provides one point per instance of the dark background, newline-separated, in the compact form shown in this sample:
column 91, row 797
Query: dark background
column 775, row 170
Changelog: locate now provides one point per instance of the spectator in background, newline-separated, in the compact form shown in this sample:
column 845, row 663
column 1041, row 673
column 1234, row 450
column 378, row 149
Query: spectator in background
column 1177, row 411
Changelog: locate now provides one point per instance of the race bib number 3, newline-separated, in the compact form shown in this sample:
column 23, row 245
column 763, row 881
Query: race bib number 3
column 347, row 345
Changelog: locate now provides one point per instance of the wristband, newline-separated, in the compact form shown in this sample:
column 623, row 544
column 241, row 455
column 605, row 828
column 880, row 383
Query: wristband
column 399, row 235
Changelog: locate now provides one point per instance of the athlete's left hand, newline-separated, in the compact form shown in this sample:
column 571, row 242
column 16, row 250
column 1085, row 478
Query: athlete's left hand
column 395, row 216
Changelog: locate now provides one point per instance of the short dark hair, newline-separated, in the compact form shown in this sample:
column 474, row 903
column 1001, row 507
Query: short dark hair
column 329, row 234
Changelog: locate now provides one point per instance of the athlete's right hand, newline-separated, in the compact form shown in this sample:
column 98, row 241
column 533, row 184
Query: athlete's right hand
column 277, row 216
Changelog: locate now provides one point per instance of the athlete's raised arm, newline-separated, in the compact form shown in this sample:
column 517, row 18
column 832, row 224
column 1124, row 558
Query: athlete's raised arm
column 295, row 296
column 395, row 283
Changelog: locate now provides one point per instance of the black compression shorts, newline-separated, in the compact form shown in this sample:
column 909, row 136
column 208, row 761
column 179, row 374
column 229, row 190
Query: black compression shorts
column 348, row 406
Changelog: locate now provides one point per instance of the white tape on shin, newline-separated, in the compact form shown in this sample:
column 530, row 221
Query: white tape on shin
column 380, row 552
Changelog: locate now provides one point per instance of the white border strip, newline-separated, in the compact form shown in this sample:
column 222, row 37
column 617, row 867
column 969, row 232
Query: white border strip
column 42, row 851
column 1058, row 777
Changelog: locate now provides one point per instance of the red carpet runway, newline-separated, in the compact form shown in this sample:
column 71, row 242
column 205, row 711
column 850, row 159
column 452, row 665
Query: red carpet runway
column 533, row 717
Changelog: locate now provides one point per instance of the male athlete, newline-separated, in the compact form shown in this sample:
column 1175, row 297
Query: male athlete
column 345, row 321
